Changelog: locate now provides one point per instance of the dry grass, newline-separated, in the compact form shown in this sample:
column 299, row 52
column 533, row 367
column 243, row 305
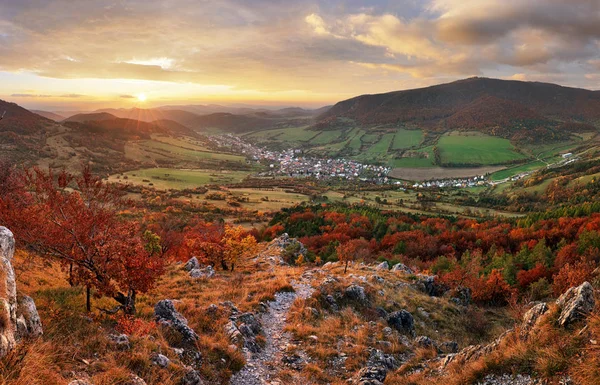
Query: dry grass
column 76, row 345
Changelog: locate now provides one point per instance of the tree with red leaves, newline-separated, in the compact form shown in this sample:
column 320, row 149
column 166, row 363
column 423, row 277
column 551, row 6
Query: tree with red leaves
column 73, row 220
column 353, row 250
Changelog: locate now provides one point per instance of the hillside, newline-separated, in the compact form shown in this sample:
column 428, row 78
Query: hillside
column 477, row 103
column 91, row 117
column 49, row 115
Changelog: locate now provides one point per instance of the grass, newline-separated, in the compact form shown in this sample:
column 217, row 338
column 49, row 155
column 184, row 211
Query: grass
column 326, row 137
column 476, row 149
column 188, row 153
column 415, row 161
column 381, row 147
column 510, row 172
column 293, row 134
column 407, row 138
column 168, row 178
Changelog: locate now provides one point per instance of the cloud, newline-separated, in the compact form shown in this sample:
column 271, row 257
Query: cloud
column 314, row 47
column 30, row 96
column 127, row 97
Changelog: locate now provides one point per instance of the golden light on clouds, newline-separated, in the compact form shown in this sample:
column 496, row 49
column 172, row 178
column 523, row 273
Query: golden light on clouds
column 307, row 52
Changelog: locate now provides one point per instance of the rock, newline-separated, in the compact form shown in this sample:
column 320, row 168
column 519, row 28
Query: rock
column 291, row 247
column 332, row 303
column 166, row 315
column 448, row 347
column 160, row 360
column 192, row 377
column 232, row 308
column 121, row 341
column 429, row 286
column 383, row 266
column 461, row 296
column 206, row 272
column 379, row 359
column 356, row 293
column 576, row 303
column 19, row 319
column 192, row 264
column 79, row 382
column 402, row 321
column 373, row 375
column 532, row 316
column 425, row 342
column 402, row 268
column 473, row 352
column 381, row 312
column 387, row 331
column 245, row 328
column 377, row 278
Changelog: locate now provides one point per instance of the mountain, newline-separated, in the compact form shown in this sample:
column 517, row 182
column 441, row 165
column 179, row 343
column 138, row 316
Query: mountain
column 91, row 117
column 151, row 115
column 49, row 115
column 476, row 103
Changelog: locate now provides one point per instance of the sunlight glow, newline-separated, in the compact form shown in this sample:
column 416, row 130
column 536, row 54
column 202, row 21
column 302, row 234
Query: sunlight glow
column 142, row 97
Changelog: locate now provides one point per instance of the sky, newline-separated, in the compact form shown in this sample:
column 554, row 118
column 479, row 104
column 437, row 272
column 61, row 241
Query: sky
column 81, row 54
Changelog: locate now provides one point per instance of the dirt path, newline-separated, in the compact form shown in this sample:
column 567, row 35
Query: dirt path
column 262, row 368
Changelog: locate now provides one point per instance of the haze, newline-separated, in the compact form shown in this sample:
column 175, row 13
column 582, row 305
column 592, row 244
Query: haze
column 65, row 54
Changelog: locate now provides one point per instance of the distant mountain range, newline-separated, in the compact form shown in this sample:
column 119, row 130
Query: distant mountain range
column 512, row 109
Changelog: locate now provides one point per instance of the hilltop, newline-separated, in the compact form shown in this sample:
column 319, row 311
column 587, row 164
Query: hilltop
column 476, row 103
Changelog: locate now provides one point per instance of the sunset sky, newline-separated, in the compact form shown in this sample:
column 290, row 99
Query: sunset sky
column 82, row 54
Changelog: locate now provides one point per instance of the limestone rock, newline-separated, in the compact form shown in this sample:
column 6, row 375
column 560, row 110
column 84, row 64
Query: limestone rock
column 245, row 328
column 28, row 316
column 120, row 341
column 576, row 303
column 80, row 382
column 400, row 267
column 166, row 315
column 192, row 264
column 429, row 286
column 160, row 360
column 135, row 380
column 383, row 266
column 402, row 321
column 18, row 318
column 533, row 315
column 206, row 272
column 192, row 377
column 356, row 293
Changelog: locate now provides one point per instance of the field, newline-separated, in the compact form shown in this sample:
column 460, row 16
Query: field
column 420, row 174
column 167, row 178
column 474, row 148
column 407, row 139
column 509, row 172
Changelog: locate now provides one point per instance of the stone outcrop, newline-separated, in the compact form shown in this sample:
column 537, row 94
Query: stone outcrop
column 383, row 266
column 243, row 329
column 357, row 294
column 166, row 316
column 202, row 272
column 429, row 286
column 18, row 315
column 402, row 321
column 576, row 303
column 402, row 268
column 192, row 264
column 377, row 368
column 532, row 316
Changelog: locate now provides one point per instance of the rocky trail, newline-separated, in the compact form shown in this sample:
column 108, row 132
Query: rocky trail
column 262, row 367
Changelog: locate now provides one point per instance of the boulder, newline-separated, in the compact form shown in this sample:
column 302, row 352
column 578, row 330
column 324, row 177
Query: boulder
column 402, row 321
column 245, row 328
column 160, row 360
column 448, row 347
column 166, row 315
column 383, row 266
column 402, row 268
column 461, row 296
column 291, row 247
column 134, row 380
column 429, row 286
column 206, row 272
column 356, row 293
column 18, row 318
column 80, row 382
column 532, row 316
column 576, row 303
column 120, row 341
column 371, row 375
column 192, row 264
column 28, row 318
column 425, row 342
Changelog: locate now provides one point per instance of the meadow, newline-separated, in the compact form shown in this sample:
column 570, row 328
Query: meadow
column 473, row 148
column 170, row 178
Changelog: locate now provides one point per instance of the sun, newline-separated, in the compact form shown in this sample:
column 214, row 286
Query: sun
column 142, row 97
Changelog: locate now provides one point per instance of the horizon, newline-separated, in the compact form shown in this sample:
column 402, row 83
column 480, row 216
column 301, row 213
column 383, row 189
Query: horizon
column 307, row 53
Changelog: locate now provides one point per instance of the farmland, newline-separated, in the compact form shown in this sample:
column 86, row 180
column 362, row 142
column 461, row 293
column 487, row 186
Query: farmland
column 168, row 178
column 476, row 149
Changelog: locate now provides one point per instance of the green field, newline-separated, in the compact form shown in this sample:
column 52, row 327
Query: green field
column 407, row 139
column 326, row 137
column 509, row 172
column 292, row 134
column 476, row 149
column 168, row 178
column 415, row 162
column 170, row 150
column 369, row 138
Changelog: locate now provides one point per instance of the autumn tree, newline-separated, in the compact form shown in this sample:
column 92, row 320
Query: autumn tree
column 353, row 250
column 74, row 220
column 237, row 244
